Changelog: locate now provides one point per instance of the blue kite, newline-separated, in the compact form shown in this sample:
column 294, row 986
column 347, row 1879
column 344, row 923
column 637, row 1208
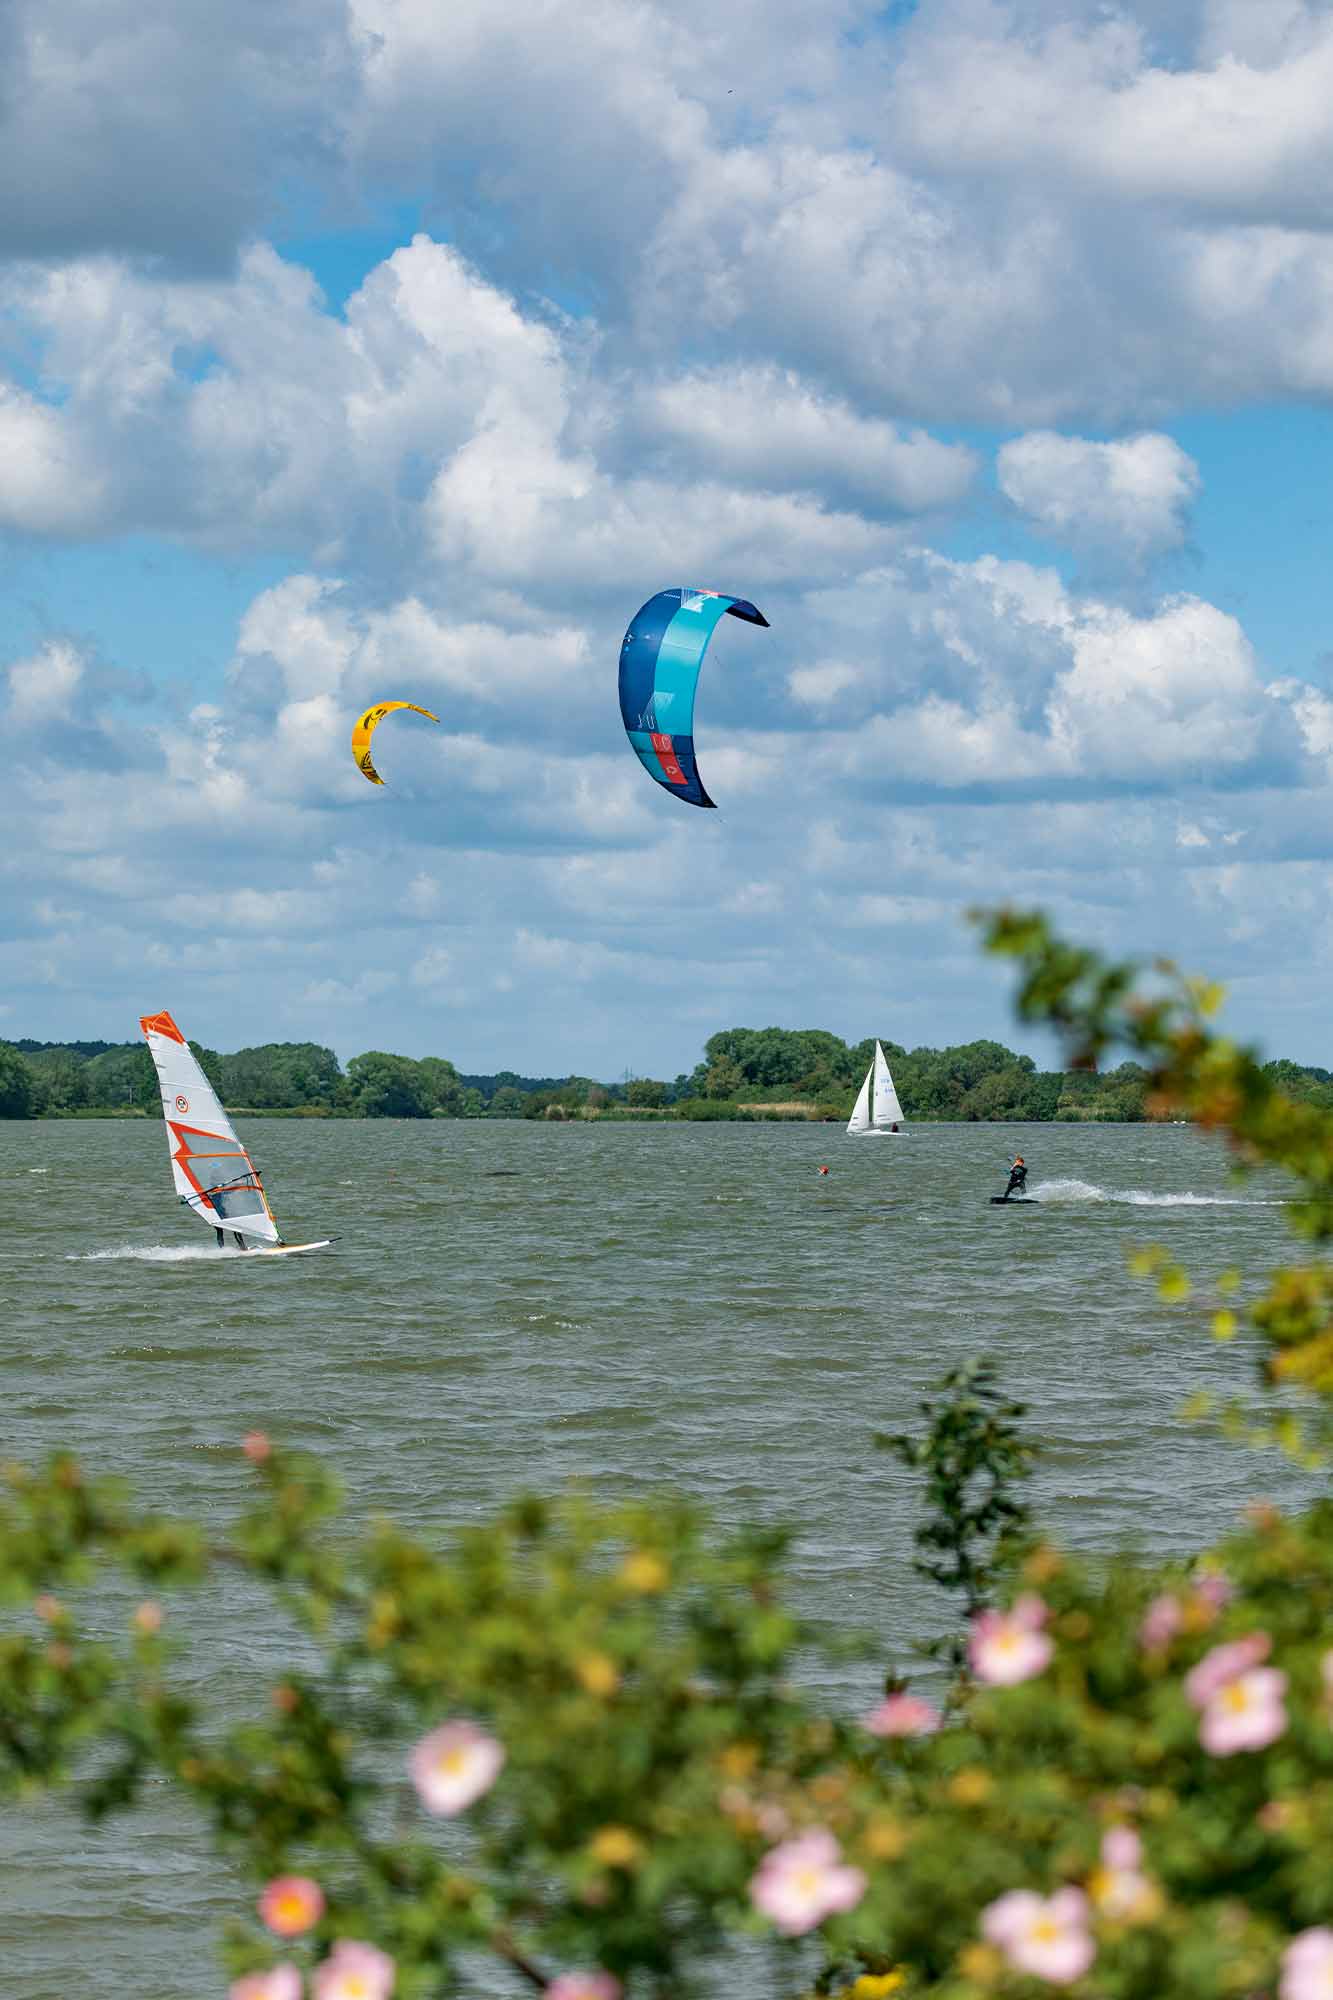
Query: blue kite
column 660, row 659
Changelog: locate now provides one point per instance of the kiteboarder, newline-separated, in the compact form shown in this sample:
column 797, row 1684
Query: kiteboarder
column 1018, row 1178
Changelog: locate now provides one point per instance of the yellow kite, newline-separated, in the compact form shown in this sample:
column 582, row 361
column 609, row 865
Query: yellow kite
column 366, row 727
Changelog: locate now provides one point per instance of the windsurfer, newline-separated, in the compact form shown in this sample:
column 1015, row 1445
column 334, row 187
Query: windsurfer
column 1018, row 1178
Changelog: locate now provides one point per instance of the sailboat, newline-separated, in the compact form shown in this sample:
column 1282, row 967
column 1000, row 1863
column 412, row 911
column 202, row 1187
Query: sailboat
column 877, row 1113
column 215, row 1177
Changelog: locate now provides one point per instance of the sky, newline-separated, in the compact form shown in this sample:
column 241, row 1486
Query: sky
column 368, row 349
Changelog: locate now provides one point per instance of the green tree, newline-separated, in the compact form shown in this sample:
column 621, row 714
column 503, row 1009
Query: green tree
column 282, row 1076
column 387, row 1086
column 18, row 1091
column 61, row 1078
column 506, row 1103
column 645, row 1093
column 124, row 1077
column 725, row 1077
column 443, row 1089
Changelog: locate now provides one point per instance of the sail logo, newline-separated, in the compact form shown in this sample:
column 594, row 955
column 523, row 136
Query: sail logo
column 182, row 1103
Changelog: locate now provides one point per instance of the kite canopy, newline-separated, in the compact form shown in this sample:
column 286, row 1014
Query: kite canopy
column 659, row 670
column 366, row 726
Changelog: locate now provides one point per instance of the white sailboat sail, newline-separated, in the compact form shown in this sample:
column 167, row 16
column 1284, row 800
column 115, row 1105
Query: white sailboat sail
column 887, row 1109
column 860, row 1118
column 214, row 1175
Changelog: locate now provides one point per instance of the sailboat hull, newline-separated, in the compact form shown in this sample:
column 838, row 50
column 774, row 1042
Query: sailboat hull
column 288, row 1249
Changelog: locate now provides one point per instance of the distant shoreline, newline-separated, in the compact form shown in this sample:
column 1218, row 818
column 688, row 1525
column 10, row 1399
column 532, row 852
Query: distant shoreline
column 744, row 1114
column 746, row 1075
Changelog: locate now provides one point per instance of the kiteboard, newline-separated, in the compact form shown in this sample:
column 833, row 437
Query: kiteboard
column 215, row 1177
column 1014, row 1201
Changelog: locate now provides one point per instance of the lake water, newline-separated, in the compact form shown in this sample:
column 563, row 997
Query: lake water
column 511, row 1306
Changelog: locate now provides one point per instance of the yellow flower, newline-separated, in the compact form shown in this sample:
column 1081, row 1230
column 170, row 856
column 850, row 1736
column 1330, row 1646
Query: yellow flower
column 597, row 1674
column 970, row 1787
column 644, row 1573
column 615, row 1847
column 883, row 1840
column 1042, row 1565
column 739, row 1759
column 980, row 1963
column 878, row 1985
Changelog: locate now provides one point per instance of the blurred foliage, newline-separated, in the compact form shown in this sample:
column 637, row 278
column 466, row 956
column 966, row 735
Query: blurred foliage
column 973, row 1459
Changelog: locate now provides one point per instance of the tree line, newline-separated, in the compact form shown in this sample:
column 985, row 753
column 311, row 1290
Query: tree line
column 745, row 1073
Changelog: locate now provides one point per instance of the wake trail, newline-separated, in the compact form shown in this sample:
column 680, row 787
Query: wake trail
column 1074, row 1192
column 155, row 1253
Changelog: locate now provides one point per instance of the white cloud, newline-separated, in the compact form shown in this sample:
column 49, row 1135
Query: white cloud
column 43, row 686
column 44, row 486
column 764, row 425
column 1012, row 681
column 349, row 993
column 435, row 973
column 1083, row 99
column 1128, row 498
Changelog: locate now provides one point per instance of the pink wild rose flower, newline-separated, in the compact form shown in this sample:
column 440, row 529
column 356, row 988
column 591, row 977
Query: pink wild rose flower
column 584, row 1986
column 1119, row 1888
column 354, row 1971
column 282, row 1982
column 1121, row 1848
column 1307, row 1966
column 902, row 1715
column 1044, row 1935
column 1161, row 1622
column 1215, row 1587
column 291, row 1904
column 454, row 1765
column 1225, row 1663
column 1245, row 1713
column 805, row 1880
column 1006, row 1647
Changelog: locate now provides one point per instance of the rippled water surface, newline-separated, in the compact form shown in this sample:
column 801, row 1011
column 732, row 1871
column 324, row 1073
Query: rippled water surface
column 513, row 1305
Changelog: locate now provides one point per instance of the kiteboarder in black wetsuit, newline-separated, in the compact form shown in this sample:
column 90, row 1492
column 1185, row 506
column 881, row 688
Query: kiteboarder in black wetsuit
column 1018, row 1178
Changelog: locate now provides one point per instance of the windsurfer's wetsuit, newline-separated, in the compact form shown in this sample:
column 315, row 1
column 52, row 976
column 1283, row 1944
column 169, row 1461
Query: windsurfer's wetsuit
column 1018, row 1179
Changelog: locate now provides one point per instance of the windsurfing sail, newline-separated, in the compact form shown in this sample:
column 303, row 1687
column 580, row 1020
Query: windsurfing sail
column 214, row 1175
column 860, row 1118
column 660, row 658
column 887, row 1110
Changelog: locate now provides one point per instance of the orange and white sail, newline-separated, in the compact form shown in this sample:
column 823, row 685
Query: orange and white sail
column 214, row 1175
